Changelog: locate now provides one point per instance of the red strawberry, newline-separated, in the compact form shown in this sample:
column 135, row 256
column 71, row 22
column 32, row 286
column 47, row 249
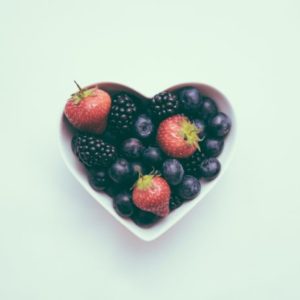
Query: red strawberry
column 152, row 193
column 178, row 137
column 88, row 110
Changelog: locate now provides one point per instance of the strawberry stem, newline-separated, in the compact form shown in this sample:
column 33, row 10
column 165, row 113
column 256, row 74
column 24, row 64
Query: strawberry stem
column 79, row 87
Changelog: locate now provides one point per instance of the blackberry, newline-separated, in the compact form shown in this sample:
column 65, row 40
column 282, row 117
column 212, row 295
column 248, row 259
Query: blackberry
column 175, row 202
column 92, row 151
column 164, row 105
column 123, row 111
column 192, row 164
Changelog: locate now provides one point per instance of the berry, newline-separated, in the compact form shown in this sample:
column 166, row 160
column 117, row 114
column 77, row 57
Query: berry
column 121, row 172
column 152, row 156
column 164, row 105
column 212, row 147
column 132, row 148
column 208, row 109
column 210, row 168
column 191, row 100
column 191, row 165
column 201, row 126
column 144, row 218
column 172, row 171
column 98, row 180
column 88, row 110
column 144, row 127
column 123, row 204
column 175, row 202
column 219, row 125
column 177, row 137
column 189, row 188
column 123, row 111
column 152, row 193
column 93, row 152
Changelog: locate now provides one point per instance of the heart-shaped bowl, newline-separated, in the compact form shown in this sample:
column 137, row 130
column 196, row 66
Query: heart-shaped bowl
column 77, row 169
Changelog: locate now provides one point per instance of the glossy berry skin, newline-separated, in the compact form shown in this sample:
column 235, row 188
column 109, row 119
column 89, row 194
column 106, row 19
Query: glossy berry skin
column 172, row 171
column 144, row 127
column 152, row 156
column 132, row 148
column 201, row 126
column 88, row 110
column 220, row 125
column 212, row 147
column 144, row 218
column 163, row 105
column 208, row 109
column 98, row 180
column 152, row 193
column 123, row 204
column 210, row 168
column 190, row 100
column 121, row 172
column 189, row 188
column 177, row 137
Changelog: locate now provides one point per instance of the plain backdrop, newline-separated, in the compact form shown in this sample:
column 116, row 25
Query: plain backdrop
column 242, row 241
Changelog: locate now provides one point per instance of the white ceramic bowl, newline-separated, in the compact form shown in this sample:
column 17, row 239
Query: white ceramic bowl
column 79, row 172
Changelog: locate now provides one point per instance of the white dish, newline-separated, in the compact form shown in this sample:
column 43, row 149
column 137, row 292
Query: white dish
column 79, row 172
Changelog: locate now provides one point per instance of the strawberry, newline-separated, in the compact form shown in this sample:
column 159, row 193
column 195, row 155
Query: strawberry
column 152, row 193
column 178, row 137
column 88, row 110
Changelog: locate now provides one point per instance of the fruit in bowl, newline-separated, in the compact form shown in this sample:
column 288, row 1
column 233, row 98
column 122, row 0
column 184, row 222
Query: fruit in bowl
column 151, row 156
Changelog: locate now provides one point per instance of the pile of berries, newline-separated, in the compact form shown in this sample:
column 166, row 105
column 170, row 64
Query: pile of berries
column 148, row 158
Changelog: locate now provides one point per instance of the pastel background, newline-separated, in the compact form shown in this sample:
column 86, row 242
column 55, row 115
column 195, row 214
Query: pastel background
column 242, row 241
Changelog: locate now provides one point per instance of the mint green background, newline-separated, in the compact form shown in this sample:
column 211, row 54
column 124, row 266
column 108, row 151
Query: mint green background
column 242, row 241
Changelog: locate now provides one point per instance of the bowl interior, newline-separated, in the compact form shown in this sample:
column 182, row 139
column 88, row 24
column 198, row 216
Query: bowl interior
column 76, row 168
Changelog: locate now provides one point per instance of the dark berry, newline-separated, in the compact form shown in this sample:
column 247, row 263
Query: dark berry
column 93, row 152
column 219, row 125
column 201, row 126
column 121, row 172
column 191, row 165
column 210, row 168
column 163, row 105
column 122, row 114
column 153, row 156
column 98, row 180
column 212, row 147
column 208, row 109
column 132, row 148
column 123, row 204
column 144, row 218
column 190, row 100
column 175, row 202
column 189, row 188
column 143, row 127
column 172, row 171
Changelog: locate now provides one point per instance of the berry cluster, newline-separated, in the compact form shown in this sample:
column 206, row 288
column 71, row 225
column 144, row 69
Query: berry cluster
column 148, row 159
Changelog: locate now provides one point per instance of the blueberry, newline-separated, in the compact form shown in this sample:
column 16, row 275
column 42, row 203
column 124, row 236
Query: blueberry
column 208, row 109
column 210, row 168
column 144, row 127
column 98, row 180
column 191, row 100
column 153, row 156
column 121, row 172
column 219, row 125
column 201, row 127
column 212, row 147
column 172, row 171
column 189, row 188
column 123, row 204
column 132, row 148
column 144, row 218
